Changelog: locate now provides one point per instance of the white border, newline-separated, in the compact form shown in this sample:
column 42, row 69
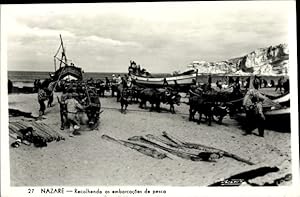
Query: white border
column 293, row 190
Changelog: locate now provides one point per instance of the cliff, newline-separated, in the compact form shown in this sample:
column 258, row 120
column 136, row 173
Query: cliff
column 270, row 61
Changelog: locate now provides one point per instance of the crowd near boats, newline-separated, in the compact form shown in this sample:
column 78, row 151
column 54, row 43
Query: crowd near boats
column 212, row 101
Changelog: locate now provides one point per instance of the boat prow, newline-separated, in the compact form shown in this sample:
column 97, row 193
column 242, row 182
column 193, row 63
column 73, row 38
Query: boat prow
column 65, row 72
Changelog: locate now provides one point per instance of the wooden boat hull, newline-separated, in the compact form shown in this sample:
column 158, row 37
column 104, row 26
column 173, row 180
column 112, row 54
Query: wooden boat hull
column 181, row 80
column 66, row 71
column 285, row 111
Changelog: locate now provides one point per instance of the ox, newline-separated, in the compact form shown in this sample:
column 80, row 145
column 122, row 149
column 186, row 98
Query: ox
column 208, row 105
column 157, row 96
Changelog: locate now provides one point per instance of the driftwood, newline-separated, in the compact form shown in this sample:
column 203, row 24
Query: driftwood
column 169, row 143
column 237, row 179
column 201, row 147
column 168, row 154
column 202, row 156
column 140, row 148
column 172, row 139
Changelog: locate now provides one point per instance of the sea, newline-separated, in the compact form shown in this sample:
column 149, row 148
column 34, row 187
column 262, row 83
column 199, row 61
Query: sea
column 26, row 78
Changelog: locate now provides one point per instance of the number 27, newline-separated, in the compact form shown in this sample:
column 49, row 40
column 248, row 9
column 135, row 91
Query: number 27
column 30, row 191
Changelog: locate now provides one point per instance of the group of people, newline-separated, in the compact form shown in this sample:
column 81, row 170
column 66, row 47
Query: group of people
column 283, row 84
column 137, row 70
column 82, row 96
column 125, row 81
column 76, row 99
column 253, row 100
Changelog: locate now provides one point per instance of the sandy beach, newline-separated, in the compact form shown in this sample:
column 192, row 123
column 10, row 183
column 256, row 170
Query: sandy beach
column 88, row 160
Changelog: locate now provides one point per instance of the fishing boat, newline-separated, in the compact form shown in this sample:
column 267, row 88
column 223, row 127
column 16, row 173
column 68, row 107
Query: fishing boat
column 276, row 112
column 283, row 111
column 65, row 71
column 183, row 79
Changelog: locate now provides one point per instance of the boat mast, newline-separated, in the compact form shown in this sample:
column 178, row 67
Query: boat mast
column 63, row 53
column 63, row 58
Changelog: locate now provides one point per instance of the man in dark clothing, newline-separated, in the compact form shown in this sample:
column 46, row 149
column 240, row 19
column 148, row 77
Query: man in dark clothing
column 286, row 86
column 10, row 86
column 42, row 97
column 279, row 85
column 272, row 83
column 254, row 112
column 209, row 81
column 247, row 83
column 219, row 84
column 230, row 81
column 93, row 108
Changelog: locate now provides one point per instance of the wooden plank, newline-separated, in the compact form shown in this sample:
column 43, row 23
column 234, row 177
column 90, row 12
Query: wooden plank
column 167, row 142
column 51, row 130
column 15, row 129
column 200, row 146
column 40, row 130
column 178, row 153
column 172, row 139
column 140, row 148
column 52, row 135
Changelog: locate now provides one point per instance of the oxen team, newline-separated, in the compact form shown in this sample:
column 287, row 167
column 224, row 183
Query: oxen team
column 202, row 99
column 211, row 103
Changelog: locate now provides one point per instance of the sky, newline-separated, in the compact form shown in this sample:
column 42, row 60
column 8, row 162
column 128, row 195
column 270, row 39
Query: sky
column 161, row 37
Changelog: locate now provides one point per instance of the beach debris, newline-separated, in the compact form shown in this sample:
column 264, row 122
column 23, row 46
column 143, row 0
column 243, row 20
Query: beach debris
column 32, row 132
column 173, row 148
column 140, row 148
column 16, row 143
column 204, row 147
column 179, row 152
column 238, row 179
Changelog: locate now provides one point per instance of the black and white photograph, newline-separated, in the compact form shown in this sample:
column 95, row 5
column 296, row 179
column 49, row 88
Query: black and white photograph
column 144, row 97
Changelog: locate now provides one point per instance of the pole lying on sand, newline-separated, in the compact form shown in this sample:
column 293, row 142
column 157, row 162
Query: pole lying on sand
column 140, row 148
column 199, row 146
column 182, row 153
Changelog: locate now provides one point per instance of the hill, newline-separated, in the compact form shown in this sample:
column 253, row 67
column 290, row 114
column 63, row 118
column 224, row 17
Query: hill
column 269, row 61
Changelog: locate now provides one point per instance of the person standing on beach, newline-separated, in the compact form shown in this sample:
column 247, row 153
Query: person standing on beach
column 73, row 107
column 286, row 86
column 119, row 80
column 63, row 109
column 247, row 83
column 254, row 111
column 42, row 97
column 50, row 91
column 272, row 83
column 279, row 85
column 114, row 78
column 209, row 81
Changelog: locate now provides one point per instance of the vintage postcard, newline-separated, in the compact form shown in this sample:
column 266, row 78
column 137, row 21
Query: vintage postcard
column 149, row 99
